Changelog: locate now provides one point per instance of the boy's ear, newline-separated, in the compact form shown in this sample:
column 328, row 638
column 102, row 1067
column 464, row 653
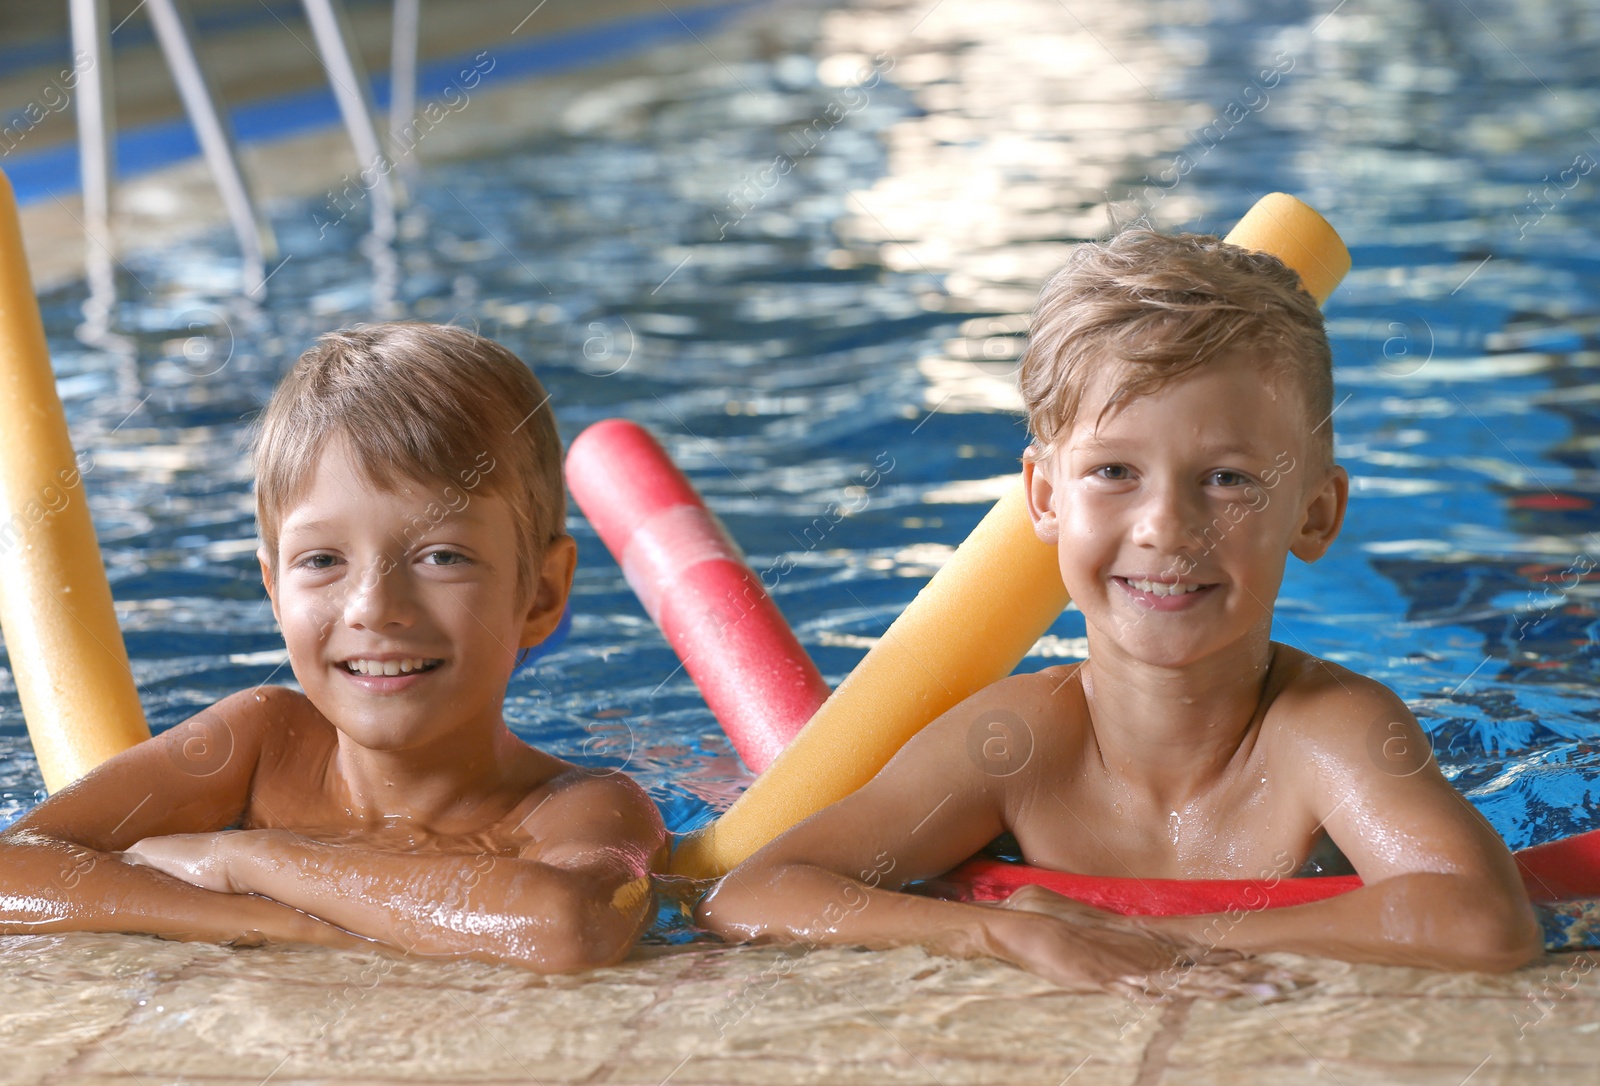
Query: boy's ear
column 1040, row 493
column 554, row 583
column 1324, row 516
column 266, row 578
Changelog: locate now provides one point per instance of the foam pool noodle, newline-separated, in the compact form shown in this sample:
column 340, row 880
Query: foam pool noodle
column 693, row 582
column 968, row 627
column 66, row 651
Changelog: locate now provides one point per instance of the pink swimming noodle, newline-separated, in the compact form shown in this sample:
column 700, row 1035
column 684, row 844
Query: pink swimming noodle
column 695, row 584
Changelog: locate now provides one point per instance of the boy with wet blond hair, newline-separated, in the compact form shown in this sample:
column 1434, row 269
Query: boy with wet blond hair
column 412, row 519
column 1179, row 393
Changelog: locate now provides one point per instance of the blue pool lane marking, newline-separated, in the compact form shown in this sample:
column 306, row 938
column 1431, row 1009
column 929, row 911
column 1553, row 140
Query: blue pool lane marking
column 53, row 171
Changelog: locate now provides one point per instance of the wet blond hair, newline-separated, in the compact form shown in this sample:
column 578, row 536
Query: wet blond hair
column 417, row 403
column 1161, row 306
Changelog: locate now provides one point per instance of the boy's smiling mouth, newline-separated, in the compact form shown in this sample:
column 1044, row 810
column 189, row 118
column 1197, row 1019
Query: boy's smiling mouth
column 376, row 667
column 1163, row 594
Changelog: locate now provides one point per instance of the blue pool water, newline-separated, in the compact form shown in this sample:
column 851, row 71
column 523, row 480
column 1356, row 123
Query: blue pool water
column 782, row 329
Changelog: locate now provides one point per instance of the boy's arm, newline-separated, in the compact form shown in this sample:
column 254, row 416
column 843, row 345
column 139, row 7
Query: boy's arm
column 576, row 898
column 1441, row 890
column 832, row 879
column 59, row 868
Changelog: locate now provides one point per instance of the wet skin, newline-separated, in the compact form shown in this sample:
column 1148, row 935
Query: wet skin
column 399, row 809
column 1189, row 745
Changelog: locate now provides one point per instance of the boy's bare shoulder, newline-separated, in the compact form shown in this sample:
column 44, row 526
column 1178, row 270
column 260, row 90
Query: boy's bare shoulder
column 275, row 716
column 1051, row 700
column 287, row 742
column 574, row 786
column 1325, row 706
column 1054, row 693
column 1016, row 728
column 261, row 707
column 245, row 726
column 579, row 811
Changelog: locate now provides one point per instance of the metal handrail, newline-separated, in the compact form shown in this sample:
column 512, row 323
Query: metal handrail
column 175, row 31
column 91, row 36
column 403, row 82
column 348, row 77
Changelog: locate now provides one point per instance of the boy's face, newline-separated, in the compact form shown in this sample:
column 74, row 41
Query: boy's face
column 1174, row 517
column 425, row 580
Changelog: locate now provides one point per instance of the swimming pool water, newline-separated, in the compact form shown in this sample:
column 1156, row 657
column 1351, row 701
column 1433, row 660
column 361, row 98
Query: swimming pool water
column 811, row 257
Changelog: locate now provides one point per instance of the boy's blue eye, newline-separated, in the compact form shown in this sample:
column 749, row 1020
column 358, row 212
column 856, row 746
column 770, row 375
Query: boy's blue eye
column 1228, row 478
column 1113, row 472
column 318, row 561
column 446, row 558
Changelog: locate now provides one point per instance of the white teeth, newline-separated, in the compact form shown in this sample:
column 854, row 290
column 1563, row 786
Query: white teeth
column 1156, row 588
column 388, row 667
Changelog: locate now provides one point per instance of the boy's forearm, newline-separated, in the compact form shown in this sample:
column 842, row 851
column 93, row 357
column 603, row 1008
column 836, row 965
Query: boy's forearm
column 51, row 885
column 1439, row 921
column 802, row 903
column 494, row 908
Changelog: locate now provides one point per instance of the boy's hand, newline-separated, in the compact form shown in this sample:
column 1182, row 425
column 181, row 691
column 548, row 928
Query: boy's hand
column 1083, row 953
column 1083, row 948
column 200, row 859
column 1038, row 899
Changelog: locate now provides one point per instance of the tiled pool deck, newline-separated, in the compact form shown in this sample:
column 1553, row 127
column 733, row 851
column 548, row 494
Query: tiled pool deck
column 126, row 1009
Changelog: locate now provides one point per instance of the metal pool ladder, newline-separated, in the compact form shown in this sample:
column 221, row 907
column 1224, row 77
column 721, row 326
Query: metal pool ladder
column 175, row 31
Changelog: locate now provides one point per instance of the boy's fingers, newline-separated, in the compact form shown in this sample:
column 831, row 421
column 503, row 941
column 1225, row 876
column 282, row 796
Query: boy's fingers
column 1269, row 982
column 1070, row 983
column 1218, row 956
column 1133, row 989
column 139, row 852
column 1227, row 981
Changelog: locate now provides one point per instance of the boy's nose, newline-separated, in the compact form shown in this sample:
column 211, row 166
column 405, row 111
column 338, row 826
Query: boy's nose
column 380, row 597
column 1165, row 519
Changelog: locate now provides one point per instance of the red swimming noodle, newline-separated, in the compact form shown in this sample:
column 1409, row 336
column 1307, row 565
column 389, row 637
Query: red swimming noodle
column 692, row 580
column 1563, row 870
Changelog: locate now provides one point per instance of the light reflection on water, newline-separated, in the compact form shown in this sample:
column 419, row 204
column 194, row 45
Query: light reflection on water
column 869, row 302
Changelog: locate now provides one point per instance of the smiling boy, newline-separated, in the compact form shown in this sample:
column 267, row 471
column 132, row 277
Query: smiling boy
column 1179, row 393
column 412, row 523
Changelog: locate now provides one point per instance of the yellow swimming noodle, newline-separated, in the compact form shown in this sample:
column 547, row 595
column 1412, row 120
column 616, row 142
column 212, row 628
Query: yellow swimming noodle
column 969, row 627
column 1295, row 234
column 67, row 656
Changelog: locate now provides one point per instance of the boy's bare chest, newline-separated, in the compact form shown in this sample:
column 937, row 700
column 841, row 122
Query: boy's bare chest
column 1246, row 828
column 299, row 791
